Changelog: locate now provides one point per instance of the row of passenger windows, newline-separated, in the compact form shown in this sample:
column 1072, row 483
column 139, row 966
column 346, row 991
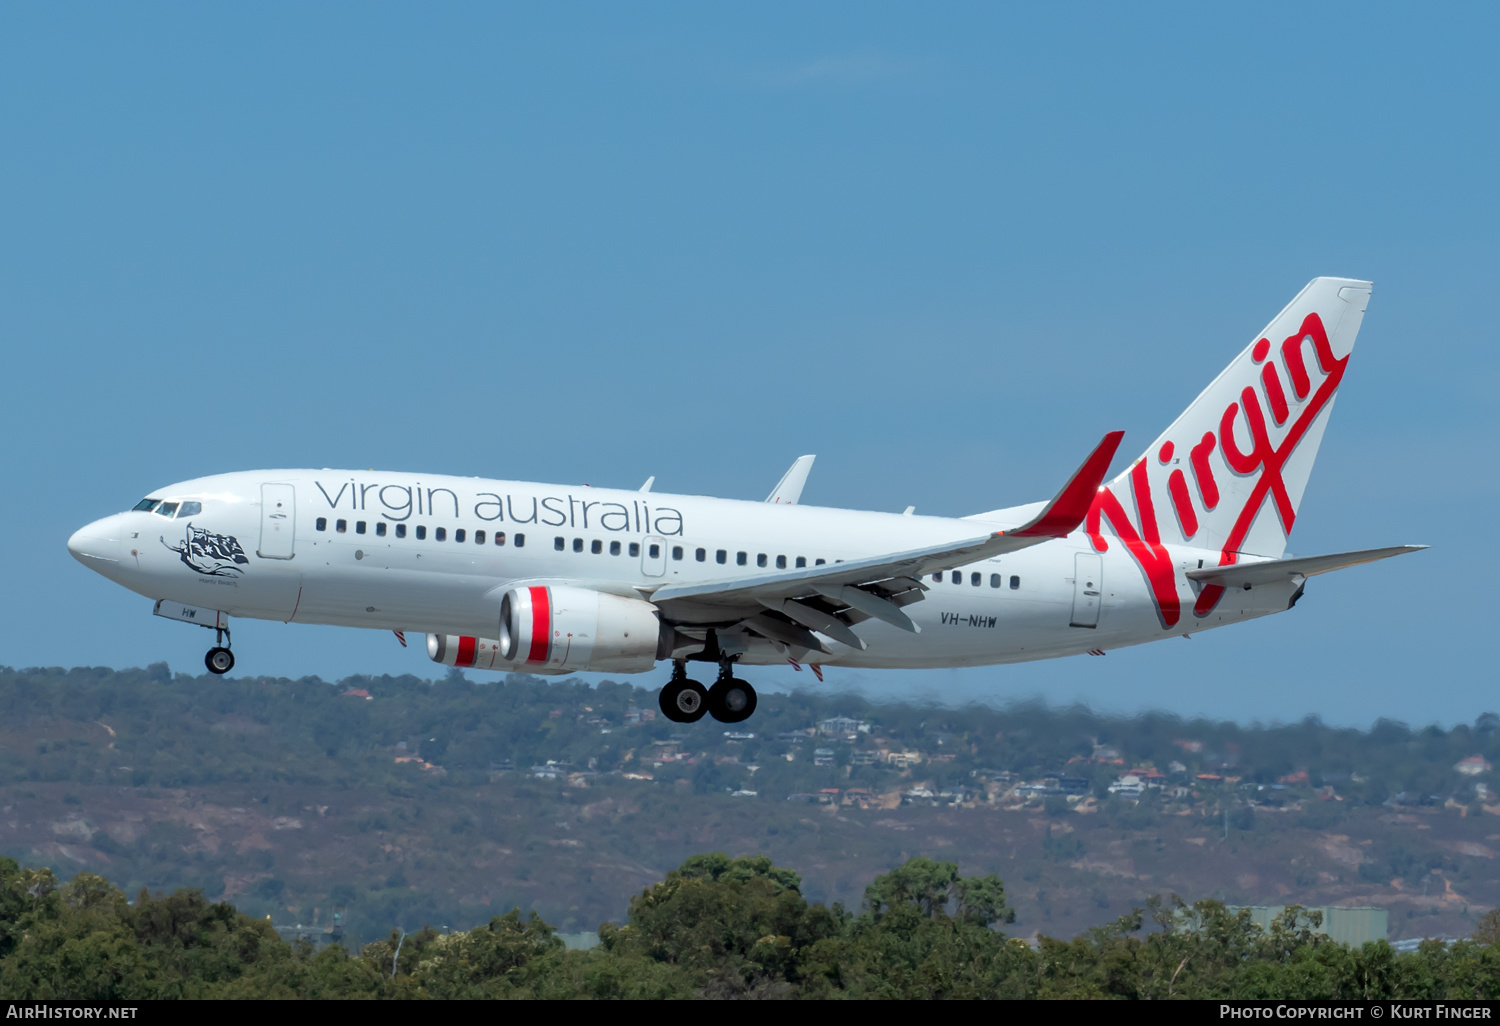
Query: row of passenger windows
column 653, row 551
column 976, row 579
column 596, row 546
column 168, row 509
column 438, row 533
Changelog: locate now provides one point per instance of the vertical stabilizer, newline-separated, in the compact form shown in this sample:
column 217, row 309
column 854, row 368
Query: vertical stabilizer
column 1229, row 473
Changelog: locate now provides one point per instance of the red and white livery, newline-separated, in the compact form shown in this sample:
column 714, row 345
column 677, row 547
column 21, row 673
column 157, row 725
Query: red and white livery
column 514, row 575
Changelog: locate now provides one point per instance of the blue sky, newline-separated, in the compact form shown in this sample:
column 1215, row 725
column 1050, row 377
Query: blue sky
column 944, row 249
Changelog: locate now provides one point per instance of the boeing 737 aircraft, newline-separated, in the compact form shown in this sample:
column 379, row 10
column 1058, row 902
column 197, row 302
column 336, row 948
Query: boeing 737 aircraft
column 511, row 575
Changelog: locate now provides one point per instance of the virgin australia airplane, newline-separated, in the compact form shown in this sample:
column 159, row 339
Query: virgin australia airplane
column 511, row 575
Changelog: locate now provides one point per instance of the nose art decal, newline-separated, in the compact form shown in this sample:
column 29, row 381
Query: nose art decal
column 212, row 555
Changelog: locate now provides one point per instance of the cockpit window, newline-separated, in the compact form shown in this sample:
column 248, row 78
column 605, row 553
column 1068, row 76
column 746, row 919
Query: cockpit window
column 190, row 509
column 145, row 506
column 166, row 509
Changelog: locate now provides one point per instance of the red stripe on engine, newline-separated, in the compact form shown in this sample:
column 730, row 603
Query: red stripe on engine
column 465, row 652
column 541, row 626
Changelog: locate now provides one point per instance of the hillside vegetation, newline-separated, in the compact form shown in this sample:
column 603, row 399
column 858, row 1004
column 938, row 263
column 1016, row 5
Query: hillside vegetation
column 401, row 802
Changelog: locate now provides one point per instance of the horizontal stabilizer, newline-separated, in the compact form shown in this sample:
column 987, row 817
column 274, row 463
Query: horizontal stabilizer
column 1276, row 570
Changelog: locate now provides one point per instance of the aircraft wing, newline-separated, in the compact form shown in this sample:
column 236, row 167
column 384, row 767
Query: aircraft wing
column 1271, row 571
column 830, row 598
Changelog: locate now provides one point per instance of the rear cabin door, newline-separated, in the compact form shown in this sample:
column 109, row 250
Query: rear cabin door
column 654, row 556
column 1088, row 589
column 278, row 521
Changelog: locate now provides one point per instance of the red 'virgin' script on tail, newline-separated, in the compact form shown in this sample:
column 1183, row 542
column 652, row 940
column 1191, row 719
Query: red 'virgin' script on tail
column 1264, row 461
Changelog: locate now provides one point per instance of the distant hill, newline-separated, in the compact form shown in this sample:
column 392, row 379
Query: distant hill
column 405, row 801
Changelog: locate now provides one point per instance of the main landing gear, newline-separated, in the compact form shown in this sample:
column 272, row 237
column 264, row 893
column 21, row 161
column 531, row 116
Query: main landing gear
column 730, row 700
column 219, row 659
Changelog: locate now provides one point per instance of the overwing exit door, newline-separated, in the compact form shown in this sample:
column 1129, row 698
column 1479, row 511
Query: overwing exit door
column 654, row 556
column 1088, row 589
column 278, row 521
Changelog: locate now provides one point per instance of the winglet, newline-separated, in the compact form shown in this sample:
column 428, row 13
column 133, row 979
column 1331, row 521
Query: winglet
column 1065, row 512
column 789, row 489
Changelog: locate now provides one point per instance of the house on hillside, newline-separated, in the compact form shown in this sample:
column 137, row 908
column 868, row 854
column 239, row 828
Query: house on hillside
column 842, row 726
column 823, row 757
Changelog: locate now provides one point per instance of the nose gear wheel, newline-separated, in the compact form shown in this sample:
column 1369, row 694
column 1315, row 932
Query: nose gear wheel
column 219, row 660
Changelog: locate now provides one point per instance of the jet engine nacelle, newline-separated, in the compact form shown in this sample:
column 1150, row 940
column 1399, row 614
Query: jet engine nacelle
column 559, row 630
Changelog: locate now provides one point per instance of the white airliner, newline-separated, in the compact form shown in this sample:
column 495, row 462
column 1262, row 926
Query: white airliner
column 511, row 575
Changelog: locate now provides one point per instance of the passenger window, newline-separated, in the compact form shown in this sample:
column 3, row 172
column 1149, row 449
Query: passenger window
column 741, row 558
column 190, row 509
column 958, row 577
column 520, row 541
column 700, row 555
column 440, row 534
column 458, row 535
column 478, row 537
column 819, row 562
column 781, row 562
column 1015, row 583
column 577, row 544
column 597, row 547
column 635, row 548
column 166, row 509
column 499, row 537
column 421, row 532
column 654, row 551
column 760, row 559
column 801, row 561
column 359, row 527
column 400, row 530
column 937, row 578
column 341, row 526
column 994, row 580
column 380, row 528
column 320, row 524
column 559, row 544
column 974, row 579
column 721, row 557
column 144, row 506
column 676, row 551
column 614, row 548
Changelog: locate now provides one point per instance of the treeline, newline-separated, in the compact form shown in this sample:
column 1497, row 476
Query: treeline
column 154, row 728
column 715, row 927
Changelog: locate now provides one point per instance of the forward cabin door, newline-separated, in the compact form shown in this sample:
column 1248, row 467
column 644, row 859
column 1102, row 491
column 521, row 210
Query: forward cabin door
column 653, row 556
column 1088, row 589
column 278, row 521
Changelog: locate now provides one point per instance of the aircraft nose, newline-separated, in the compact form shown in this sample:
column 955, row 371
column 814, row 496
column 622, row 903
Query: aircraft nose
column 96, row 546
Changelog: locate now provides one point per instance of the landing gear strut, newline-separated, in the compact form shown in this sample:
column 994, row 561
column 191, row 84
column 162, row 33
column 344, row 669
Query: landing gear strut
column 683, row 700
column 219, row 659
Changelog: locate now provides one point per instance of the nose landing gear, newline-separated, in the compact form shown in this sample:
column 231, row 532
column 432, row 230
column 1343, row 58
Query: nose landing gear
column 730, row 700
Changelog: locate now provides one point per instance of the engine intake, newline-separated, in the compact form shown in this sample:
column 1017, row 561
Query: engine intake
column 560, row 629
